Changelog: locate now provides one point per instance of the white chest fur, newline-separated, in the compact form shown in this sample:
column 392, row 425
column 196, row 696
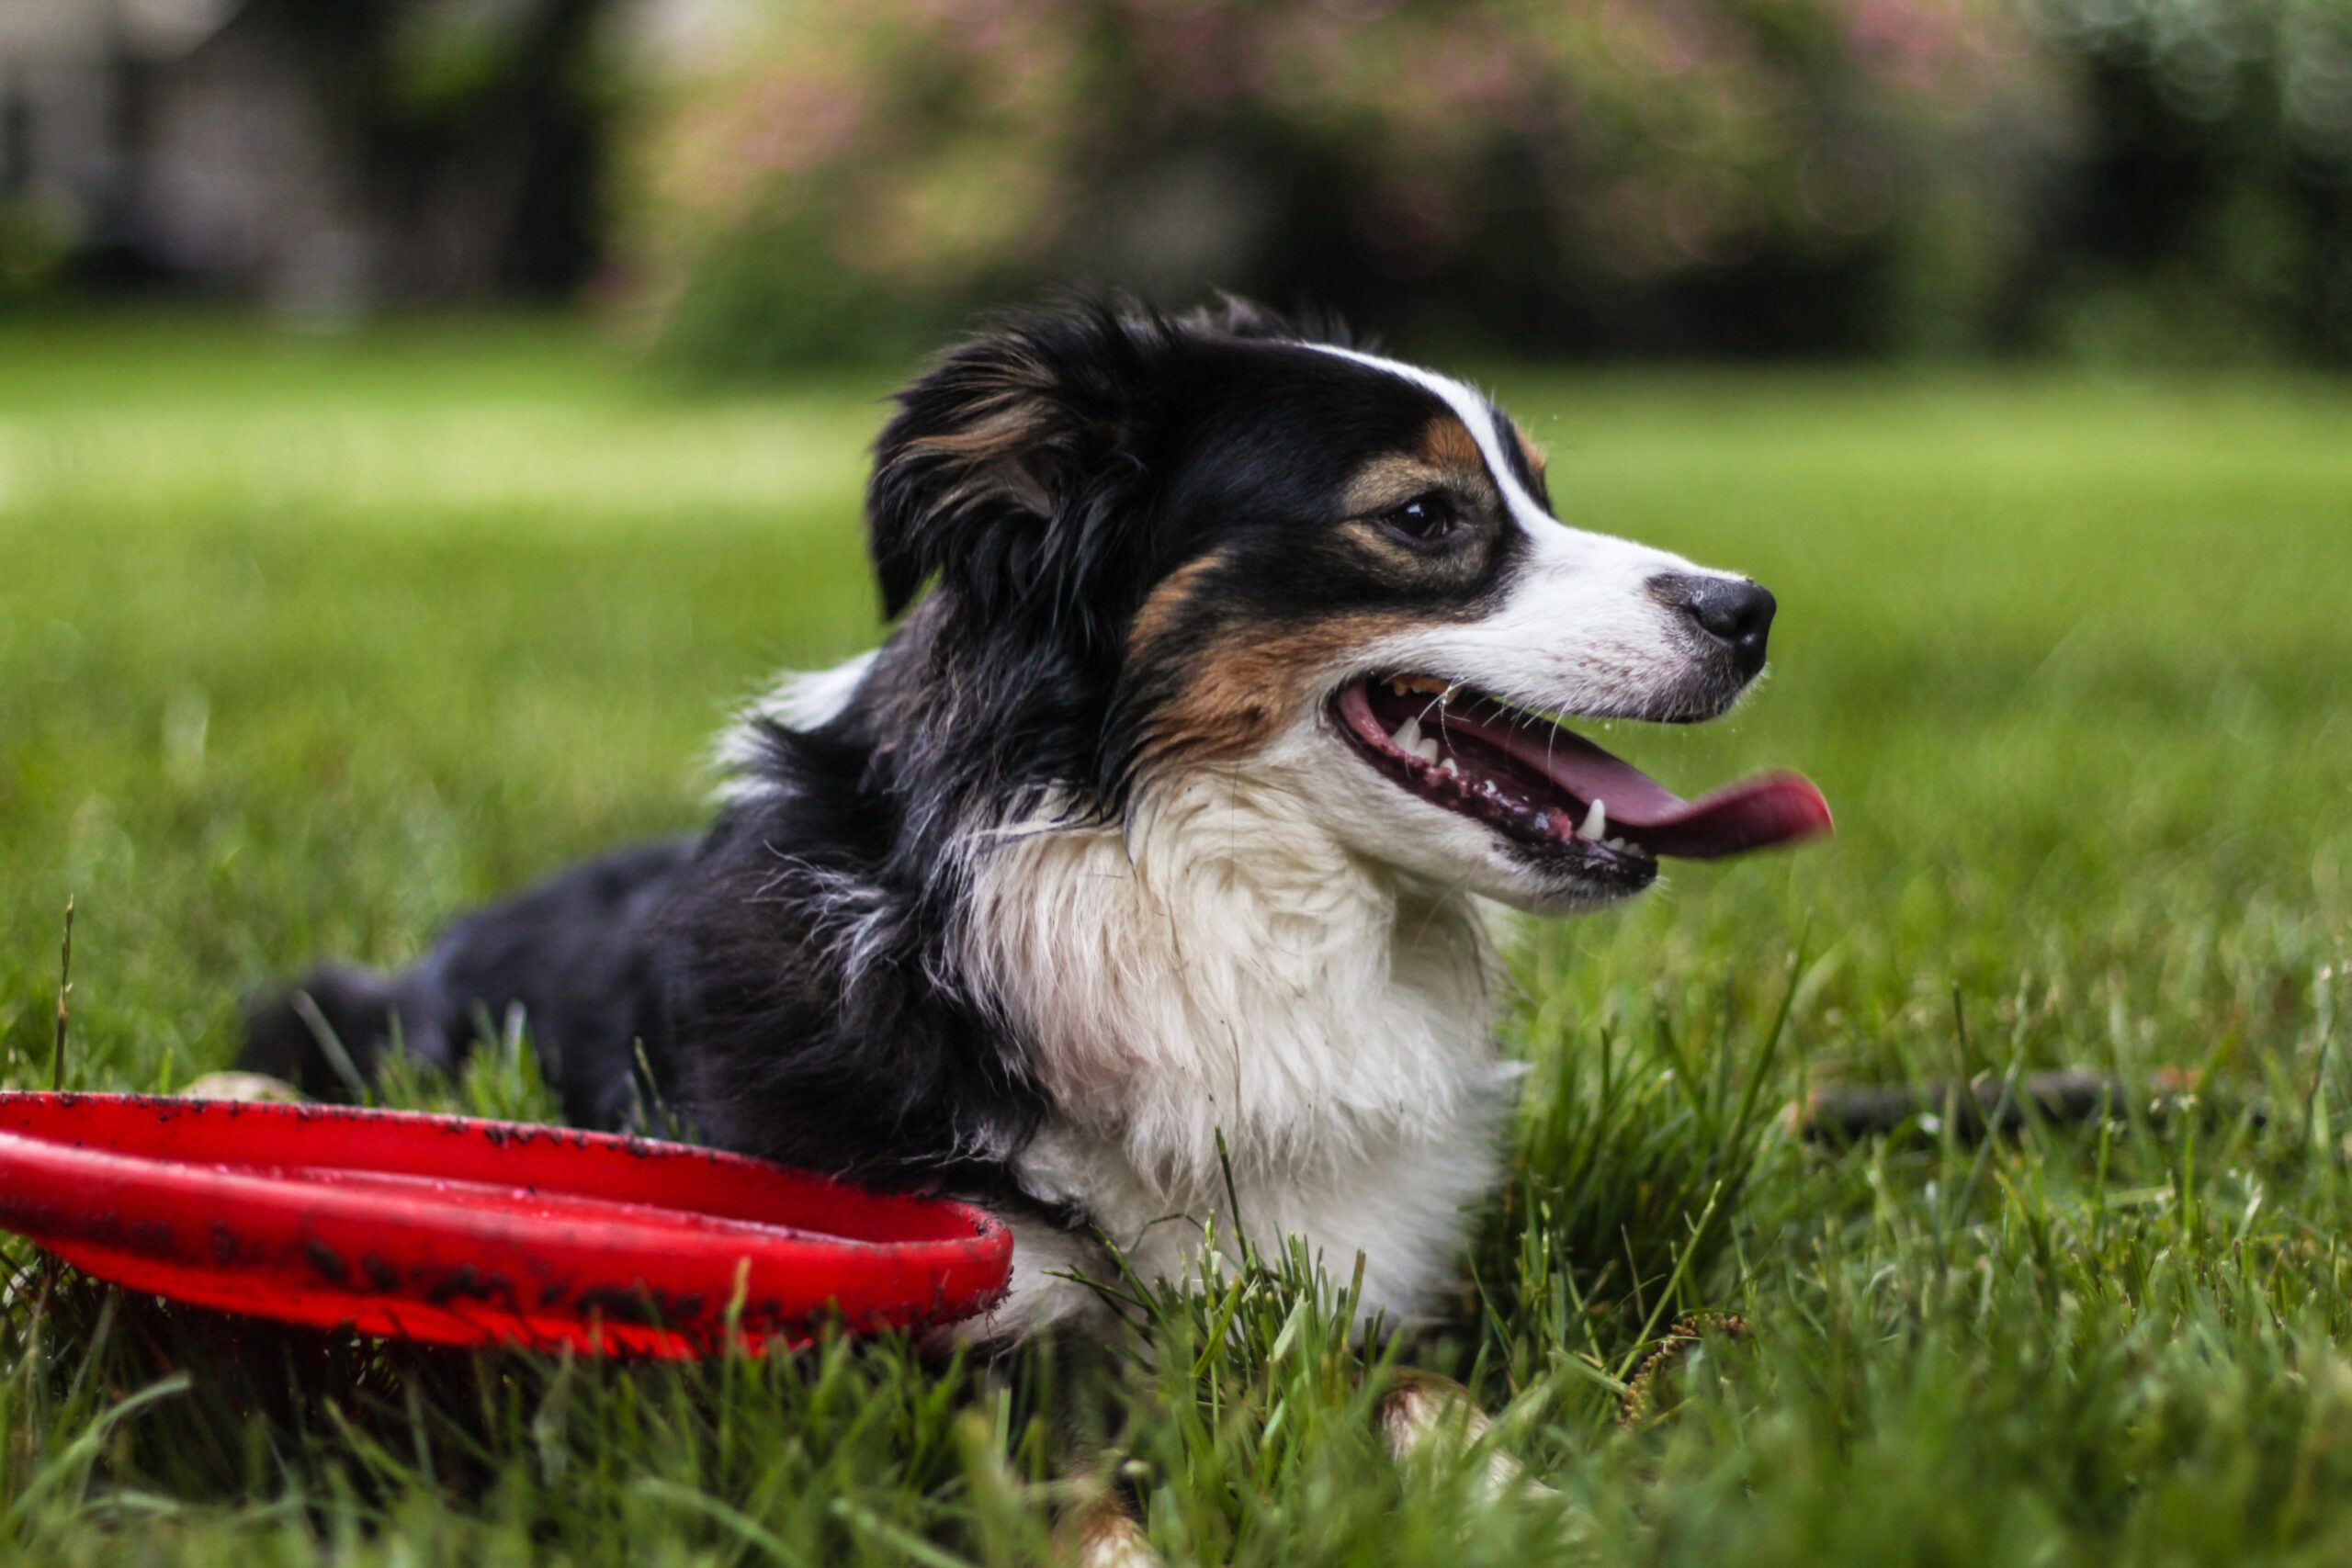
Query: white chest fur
column 1227, row 967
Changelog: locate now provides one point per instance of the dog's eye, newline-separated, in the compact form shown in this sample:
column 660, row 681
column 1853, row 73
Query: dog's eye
column 1424, row 520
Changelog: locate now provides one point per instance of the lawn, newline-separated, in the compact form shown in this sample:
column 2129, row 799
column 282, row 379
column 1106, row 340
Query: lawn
column 306, row 644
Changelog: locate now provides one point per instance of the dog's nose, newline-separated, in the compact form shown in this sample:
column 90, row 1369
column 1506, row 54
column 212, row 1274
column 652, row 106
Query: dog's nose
column 1733, row 610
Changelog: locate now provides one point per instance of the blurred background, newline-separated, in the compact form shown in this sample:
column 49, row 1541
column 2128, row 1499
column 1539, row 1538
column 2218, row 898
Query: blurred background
column 748, row 186
column 421, row 421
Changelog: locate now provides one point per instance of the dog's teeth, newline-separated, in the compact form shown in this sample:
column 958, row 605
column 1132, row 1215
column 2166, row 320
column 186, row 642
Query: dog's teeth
column 1447, row 767
column 1409, row 736
column 1445, row 698
column 1396, row 684
column 1620, row 845
column 1428, row 751
column 1596, row 821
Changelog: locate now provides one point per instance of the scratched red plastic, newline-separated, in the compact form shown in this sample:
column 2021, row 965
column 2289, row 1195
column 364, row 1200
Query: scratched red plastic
column 464, row 1231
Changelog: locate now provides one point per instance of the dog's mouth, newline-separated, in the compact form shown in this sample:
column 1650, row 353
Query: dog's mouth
column 1544, row 786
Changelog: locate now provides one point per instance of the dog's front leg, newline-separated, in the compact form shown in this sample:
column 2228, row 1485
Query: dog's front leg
column 1425, row 1417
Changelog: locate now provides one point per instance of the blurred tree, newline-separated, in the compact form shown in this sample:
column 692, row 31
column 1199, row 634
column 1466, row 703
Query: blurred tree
column 1679, row 175
column 2211, row 211
column 1675, row 176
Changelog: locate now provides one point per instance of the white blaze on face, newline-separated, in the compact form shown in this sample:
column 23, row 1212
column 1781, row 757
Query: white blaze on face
column 1579, row 631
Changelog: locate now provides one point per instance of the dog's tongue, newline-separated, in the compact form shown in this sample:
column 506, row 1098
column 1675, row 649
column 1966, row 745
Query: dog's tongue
column 1753, row 814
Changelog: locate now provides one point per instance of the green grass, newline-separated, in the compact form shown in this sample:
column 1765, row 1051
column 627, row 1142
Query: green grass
column 306, row 644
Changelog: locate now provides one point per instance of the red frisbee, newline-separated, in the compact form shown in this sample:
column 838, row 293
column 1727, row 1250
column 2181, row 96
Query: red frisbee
column 462, row 1232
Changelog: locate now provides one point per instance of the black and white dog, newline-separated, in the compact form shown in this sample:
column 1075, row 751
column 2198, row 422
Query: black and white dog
column 1162, row 817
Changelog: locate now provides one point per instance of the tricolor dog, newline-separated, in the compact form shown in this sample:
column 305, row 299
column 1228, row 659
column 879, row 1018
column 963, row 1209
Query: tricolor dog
column 1233, row 669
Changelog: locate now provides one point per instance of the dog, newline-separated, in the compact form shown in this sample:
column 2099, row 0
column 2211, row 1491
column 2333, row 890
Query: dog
column 1149, row 852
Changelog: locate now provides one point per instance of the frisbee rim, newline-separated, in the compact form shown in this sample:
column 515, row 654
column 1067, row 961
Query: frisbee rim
column 271, row 1212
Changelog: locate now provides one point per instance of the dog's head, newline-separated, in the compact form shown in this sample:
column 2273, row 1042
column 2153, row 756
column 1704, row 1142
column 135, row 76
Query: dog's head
column 1165, row 547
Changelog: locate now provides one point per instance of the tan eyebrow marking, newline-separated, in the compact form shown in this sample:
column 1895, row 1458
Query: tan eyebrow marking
column 1448, row 444
column 1395, row 479
column 1535, row 456
column 1447, row 457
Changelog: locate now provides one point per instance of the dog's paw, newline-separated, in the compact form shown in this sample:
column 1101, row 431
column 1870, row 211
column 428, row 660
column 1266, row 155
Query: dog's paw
column 1427, row 1417
column 1102, row 1532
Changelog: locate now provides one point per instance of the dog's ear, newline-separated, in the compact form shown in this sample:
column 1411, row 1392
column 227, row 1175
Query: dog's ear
column 1010, row 462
